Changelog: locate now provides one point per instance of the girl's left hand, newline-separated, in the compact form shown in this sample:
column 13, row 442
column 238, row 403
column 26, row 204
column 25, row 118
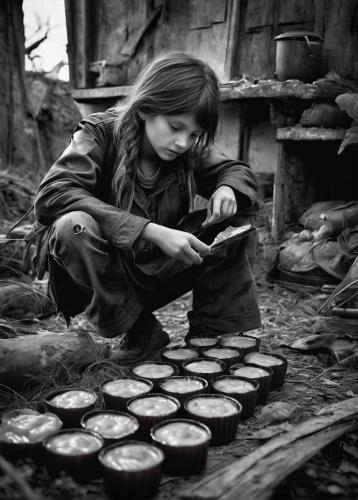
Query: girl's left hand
column 221, row 205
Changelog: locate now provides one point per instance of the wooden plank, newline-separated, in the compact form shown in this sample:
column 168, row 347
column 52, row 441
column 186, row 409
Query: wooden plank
column 233, row 90
column 270, row 89
column 278, row 216
column 204, row 13
column 309, row 134
column 233, row 38
column 256, row 476
column 83, row 95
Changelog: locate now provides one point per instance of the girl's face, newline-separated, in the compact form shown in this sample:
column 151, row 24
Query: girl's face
column 169, row 136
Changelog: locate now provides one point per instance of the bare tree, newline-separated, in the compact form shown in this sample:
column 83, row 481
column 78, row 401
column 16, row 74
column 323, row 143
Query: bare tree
column 13, row 100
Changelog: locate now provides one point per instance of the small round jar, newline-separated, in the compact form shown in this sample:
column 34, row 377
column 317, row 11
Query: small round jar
column 151, row 409
column 22, row 432
column 254, row 372
column 70, row 405
column 154, row 371
column 242, row 389
column 112, row 426
column 74, row 451
column 132, row 468
column 204, row 368
column 229, row 355
column 243, row 342
column 220, row 413
column 177, row 355
column 182, row 387
column 116, row 392
column 202, row 342
column 277, row 362
column 185, row 445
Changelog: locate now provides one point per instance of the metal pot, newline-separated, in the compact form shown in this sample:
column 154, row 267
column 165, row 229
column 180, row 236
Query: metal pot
column 298, row 56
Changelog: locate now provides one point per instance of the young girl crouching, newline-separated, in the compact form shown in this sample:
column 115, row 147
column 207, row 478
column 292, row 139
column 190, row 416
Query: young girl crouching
column 115, row 217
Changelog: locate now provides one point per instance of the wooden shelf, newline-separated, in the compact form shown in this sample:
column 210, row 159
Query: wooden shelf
column 272, row 89
column 88, row 95
column 266, row 89
column 309, row 134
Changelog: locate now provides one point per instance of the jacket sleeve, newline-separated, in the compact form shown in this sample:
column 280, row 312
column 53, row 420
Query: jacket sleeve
column 70, row 185
column 218, row 170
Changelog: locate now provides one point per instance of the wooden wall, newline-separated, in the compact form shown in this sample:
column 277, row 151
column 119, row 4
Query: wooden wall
column 98, row 30
column 235, row 36
column 262, row 20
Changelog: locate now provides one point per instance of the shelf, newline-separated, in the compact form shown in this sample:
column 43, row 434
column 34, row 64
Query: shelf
column 88, row 95
column 266, row 89
column 309, row 134
column 272, row 89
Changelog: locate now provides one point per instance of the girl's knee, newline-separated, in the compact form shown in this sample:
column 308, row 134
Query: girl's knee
column 74, row 223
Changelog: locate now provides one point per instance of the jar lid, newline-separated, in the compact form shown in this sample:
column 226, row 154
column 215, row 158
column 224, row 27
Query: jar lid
column 299, row 34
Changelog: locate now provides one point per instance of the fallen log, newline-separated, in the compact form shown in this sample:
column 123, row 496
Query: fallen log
column 256, row 476
column 44, row 356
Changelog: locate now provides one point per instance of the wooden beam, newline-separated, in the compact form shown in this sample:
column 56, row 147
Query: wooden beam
column 85, row 95
column 310, row 134
column 271, row 89
column 233, row 91
column 256, row 476
column 233, row 37
column 278, row 215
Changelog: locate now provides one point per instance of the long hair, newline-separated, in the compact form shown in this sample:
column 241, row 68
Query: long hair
column 173, row 83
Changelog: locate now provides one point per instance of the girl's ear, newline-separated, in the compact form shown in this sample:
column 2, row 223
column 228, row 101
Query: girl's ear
column 143, row 116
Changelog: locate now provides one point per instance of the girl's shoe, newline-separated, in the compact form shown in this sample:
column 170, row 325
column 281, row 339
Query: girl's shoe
column 142, row 342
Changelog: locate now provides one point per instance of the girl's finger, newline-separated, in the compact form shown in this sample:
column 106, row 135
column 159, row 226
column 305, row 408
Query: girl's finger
column 233, row 209
column 226, row 209
column 216, row 211
column 193, row 256
column 209, row 209
column 199, row 246
column 184, row 258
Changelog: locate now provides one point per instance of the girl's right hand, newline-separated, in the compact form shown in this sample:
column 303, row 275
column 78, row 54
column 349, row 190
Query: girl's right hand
column 178, row 244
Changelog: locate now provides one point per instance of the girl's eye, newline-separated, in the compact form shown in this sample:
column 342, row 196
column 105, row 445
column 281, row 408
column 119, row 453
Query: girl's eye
column 173, row 127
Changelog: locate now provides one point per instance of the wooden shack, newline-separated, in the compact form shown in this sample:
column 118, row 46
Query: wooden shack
column 111, row 40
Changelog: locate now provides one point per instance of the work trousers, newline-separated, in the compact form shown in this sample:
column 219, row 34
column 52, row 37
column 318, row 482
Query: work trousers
column 117, row 290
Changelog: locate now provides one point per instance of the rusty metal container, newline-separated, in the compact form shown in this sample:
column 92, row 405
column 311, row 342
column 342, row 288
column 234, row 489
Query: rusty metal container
column 298, row 56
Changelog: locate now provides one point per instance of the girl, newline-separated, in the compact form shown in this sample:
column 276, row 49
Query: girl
column 115, row 214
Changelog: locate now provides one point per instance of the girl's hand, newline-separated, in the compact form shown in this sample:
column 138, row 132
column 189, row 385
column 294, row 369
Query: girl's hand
column 178, row 244
column 222, row 205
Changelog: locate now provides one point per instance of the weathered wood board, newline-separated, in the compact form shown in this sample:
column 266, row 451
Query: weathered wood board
column 256, row 476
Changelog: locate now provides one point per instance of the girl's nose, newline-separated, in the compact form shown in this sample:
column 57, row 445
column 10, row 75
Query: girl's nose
column 182, row 141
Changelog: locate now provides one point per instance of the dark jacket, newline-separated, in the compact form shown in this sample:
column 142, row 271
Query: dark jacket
column 80, row 180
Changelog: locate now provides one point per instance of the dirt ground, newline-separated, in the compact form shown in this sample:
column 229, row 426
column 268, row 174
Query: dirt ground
column 332, row 473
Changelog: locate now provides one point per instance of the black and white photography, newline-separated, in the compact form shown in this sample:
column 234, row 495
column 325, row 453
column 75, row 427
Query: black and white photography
column 179, row 249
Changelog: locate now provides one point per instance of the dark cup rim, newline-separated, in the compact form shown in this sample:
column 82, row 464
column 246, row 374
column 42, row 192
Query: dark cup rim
column 31, row 444
column 278, row 356
column 176, row 348
column 258, row 341
column 52, row 394
column 201, row 347
column 239, row 350
column 127, row 377
column 179, row 420
column 176, row 377
column 154, row 394
column 254, row 365
column 93, row 413
column 191, row 360
column 108, row 448
column 155, row 379
column 211, row 396
column 254, row 382
column 73, row 431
